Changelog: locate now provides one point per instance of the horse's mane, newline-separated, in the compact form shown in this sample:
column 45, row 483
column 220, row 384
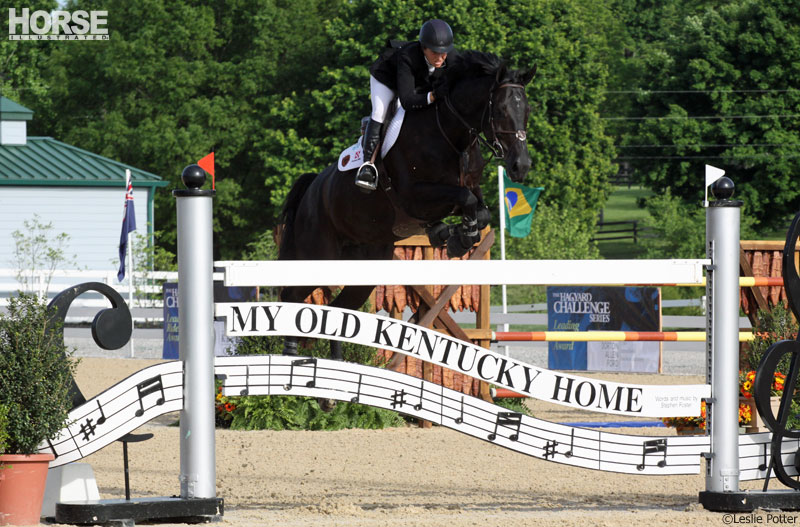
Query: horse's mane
column 471, row 64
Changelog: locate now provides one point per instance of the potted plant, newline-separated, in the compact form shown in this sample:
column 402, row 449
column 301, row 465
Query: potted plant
column 36, row 372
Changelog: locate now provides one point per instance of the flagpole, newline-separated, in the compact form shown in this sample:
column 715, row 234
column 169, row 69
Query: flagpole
column 130, row 273
column 130, row 290
column 501, row 188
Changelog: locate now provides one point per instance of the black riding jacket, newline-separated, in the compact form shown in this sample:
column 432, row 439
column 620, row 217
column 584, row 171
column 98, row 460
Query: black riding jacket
column 402, row 67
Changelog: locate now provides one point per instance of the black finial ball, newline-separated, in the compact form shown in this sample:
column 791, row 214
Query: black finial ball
column 722, row 188
column 193, row 176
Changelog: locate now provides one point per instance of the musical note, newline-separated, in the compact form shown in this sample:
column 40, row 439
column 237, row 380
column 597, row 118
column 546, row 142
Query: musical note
column 52, row 449
column 652, row 447
column 763, row 465
column 102, row 415
column 460, row 419
column 507, row 419
column 550, row 449
column 398, row 398
column 302, row 362
column 87, row 429
column 418, row 407
column 358, row 391
column 246, row 388
column 147, row 387
column 568, row 453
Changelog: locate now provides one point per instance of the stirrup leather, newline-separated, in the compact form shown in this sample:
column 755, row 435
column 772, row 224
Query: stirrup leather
column 367, row 176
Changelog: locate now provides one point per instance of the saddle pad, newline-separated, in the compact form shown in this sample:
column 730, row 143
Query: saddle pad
column 353, row 156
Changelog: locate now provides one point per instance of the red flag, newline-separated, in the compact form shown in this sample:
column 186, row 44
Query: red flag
column 207, row 164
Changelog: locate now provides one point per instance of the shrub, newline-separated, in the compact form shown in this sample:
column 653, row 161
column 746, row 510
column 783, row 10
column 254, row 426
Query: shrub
column 36, row 372
column 3, row 428
column 287, row 412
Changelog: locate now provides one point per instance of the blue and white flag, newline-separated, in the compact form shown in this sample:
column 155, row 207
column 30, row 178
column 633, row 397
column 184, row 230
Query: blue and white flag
column 128, row 224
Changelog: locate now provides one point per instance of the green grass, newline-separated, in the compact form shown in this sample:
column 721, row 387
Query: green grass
column 623, row 205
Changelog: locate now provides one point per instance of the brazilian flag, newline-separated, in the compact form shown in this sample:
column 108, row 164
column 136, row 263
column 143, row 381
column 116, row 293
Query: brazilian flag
column 520, row 206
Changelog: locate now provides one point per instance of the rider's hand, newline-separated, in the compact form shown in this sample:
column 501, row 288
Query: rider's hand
column 441, row 89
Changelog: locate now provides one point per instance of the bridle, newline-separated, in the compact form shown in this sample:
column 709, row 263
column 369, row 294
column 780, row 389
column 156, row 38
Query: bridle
column 495, row 146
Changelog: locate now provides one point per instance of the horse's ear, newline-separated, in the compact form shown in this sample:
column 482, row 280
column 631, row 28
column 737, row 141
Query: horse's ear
column 502, row 71
column 525, row 76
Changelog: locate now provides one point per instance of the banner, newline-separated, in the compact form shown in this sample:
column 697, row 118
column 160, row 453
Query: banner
column 305, row 320
column 587, row 308
column 223, row 345
column 170, row 346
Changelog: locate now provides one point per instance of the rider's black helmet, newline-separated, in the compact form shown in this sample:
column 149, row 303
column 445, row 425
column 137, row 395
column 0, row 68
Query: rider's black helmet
column 437, row 36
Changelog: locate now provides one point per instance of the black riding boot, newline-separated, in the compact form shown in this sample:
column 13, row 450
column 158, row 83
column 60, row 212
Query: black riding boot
column 367, row 176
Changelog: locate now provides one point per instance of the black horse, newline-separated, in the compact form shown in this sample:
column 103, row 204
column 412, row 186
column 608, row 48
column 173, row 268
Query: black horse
column 432, row 172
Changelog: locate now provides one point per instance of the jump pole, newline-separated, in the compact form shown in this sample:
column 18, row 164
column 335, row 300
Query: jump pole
column 722, row 345
column 196, row 346
column 722, row 289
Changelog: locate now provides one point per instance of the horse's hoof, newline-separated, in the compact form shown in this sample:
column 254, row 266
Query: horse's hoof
column 484, row 217
column 455, row 249
column 438, row 234
column 327, row 405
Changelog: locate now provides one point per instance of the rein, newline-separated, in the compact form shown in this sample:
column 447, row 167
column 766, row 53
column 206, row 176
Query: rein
column 495, row 146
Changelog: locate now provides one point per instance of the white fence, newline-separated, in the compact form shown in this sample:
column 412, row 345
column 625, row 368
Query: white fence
column 146, row 294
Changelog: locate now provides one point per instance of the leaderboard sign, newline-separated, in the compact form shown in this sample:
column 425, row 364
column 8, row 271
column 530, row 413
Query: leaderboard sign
column 588, row 308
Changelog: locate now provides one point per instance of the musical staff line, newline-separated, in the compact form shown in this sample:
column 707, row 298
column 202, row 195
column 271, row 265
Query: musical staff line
column 114, row 412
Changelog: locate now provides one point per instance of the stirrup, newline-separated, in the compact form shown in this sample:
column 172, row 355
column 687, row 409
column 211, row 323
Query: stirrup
column 367, row 176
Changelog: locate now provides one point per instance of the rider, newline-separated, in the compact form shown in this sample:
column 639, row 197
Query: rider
column 415, row 70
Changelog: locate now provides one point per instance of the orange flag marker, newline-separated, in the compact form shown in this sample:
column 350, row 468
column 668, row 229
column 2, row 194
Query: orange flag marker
column 207, row 164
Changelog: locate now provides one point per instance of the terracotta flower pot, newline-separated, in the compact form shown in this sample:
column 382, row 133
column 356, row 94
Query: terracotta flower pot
column 22, row 482
column 756, row 424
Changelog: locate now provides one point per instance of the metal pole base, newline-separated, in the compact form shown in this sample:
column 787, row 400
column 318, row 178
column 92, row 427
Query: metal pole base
column 176, row 510
column 750, row 500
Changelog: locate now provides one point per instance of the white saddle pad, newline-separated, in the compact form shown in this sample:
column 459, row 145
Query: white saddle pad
column 353, row 156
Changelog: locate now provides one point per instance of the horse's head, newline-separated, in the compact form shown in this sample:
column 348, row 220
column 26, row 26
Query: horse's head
column 508, row 122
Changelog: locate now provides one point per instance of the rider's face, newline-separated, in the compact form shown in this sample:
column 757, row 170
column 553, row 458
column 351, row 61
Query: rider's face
column 434, row 59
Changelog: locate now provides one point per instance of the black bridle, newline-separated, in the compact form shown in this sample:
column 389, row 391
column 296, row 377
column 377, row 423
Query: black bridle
column 495, row 146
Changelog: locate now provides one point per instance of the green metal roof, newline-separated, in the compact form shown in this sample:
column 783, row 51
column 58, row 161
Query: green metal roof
column 45, row 161
column 11, row 111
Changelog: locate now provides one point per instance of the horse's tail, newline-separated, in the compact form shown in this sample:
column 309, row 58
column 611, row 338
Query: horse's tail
column 286, row 250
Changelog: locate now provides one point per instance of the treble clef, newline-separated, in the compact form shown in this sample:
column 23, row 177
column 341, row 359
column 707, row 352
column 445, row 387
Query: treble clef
column 765, row 373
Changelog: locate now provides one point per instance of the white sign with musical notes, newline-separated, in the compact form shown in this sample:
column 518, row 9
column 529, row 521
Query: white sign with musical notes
column 307, row 320
column 157, row 390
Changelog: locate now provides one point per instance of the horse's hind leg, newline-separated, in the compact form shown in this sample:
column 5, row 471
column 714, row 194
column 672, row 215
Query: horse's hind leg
column 350, row 297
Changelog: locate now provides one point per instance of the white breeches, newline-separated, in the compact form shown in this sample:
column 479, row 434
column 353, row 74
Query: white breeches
column 381, row 96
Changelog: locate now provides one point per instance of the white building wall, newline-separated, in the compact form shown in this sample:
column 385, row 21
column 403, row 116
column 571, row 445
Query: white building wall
column 92, row 216
column 13, row 132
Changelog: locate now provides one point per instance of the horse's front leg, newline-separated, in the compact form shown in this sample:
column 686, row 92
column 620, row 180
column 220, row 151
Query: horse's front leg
column 461, row 237
column 293, row 294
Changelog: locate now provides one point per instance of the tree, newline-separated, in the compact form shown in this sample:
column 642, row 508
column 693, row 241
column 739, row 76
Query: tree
column 718, row 88
column 278, row 88
column 21, row 61
column 184, row 79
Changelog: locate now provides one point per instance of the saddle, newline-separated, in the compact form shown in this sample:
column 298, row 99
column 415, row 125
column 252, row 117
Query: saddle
column 352, row 157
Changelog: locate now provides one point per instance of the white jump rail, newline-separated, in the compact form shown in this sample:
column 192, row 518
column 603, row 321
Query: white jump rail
column 462, row 272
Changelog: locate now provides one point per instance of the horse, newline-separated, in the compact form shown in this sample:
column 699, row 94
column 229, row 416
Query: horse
column 432, row 172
